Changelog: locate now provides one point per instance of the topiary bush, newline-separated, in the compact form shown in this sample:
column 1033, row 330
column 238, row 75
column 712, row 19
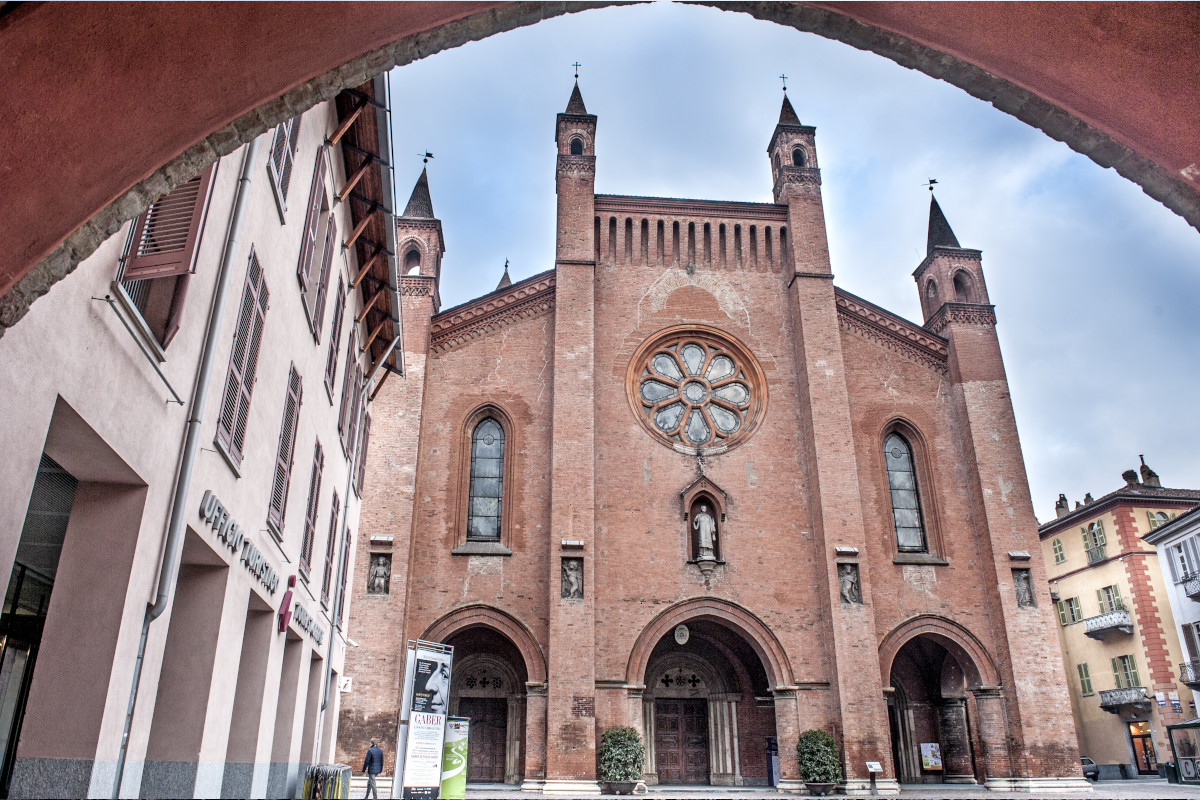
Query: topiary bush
column 622, row 757
column 817, row 758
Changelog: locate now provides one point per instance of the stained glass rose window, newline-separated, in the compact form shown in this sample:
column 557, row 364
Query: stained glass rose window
column 696, row 389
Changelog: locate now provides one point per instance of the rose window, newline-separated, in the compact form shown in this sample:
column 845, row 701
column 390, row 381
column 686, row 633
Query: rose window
column 696, row 389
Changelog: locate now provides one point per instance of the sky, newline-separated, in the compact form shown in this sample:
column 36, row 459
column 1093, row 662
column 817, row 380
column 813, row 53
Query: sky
column 1096, row 285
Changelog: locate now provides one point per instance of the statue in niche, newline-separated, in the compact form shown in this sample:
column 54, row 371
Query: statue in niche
column 848, row 584
column 380, row 575
column 1023, row 582
column 706, row 534
column 572, row 578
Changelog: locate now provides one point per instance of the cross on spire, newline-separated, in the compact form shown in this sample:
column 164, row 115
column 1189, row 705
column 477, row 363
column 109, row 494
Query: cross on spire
column 783, row 78
column 576, row 65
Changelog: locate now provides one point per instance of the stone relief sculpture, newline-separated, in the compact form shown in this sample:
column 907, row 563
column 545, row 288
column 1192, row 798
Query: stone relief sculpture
column 1023, row 583
column 380, row 576
column 848, row 584
column 706, row 530
column 572, row 578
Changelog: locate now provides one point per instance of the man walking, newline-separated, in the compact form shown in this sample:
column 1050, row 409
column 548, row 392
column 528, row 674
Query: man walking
column 373, row 765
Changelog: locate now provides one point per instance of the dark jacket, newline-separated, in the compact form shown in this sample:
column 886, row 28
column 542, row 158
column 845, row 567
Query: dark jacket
column 373, row 763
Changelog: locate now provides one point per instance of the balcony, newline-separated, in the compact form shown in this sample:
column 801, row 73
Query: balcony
column 1111, row 700
column 1191, row 585
column 1189, row 674
column 1097, row 627
column 1095, row 554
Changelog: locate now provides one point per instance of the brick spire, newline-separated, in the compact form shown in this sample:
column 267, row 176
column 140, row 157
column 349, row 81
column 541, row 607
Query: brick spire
column 575, row 104
column 939, row 228
column 420, row 206
column 787, row 114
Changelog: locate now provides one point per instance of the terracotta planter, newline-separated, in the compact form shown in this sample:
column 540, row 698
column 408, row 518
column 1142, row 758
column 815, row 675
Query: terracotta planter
column 820, row 789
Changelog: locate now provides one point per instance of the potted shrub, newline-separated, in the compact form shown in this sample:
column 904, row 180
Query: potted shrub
column 817, row 758
column 622, row 759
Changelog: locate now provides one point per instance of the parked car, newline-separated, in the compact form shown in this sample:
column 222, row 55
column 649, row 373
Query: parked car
column 1091, row 770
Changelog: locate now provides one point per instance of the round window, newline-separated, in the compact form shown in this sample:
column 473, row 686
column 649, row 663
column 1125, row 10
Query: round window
column 696, row 389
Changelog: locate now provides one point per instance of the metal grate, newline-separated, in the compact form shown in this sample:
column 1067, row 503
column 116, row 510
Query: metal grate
column 46, row 520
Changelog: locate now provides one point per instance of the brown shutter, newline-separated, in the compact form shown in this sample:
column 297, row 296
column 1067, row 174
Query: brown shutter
column 327, row 580
column 344, row 412
column 165, row 235
column 339, row 310
column 243, row 363
column 310, row 514
column 323, row 281
column 287, row 449
column 312, row 222
column 283, row 150
column 362, row 455
column 355, row 412
column 341, row 600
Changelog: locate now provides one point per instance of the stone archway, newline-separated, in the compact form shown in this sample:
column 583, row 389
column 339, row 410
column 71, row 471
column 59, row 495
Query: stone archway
column 1083, row 75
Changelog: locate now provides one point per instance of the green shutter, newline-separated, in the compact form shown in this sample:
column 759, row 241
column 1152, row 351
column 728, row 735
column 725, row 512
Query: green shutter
column 1087, row 540
column 1116, row 665
column 1100, row 534
column 1134, row 679
column 1150, row 518
column 1118, row 603
column 1100, row 600
column 1062, row 612
column 1085, row 680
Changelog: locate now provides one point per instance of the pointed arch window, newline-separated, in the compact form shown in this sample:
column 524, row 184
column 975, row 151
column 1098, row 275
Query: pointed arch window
column 485, row 502
column 906, row 504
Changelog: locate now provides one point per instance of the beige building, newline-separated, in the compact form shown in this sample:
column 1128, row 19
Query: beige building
column 183, row 452
column 1120, row 644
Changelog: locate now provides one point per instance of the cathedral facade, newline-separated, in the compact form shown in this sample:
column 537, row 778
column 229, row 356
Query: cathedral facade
column 684, row 483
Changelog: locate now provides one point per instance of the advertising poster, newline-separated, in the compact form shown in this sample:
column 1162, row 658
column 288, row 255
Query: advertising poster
column 429, row 693
column 454, row 758
column 931, row 756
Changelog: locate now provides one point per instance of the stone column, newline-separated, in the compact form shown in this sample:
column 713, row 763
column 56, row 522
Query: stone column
column 722, row 742
column 993, row 730
column 651, row 769
column 512, row 741
column 956, row 747
column 535, row 736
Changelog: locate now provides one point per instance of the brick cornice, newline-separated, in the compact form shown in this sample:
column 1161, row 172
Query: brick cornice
column 581, row 165
column 966, row 313
column 473, row 320
column 893, row 332
column 674, row 206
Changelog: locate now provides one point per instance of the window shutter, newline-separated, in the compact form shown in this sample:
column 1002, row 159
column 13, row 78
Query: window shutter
column 175, row 317
column 1062, row 612
column 327, row 579
column 1116, row 667
column 355, row 412
column 312, row 222
column 323, row 280
column 165, row 235
column 1101, row 601
column 243, row 363
column 310, row 514
column 1087, row 540
column 362, row 455
column 1116, row 597
column 1100, row 533
column 287, row 448
column 344, row 412
column 283, row 150
column 339, row 310
column 341, row 602
column 1134, row 678
column 1150, row 518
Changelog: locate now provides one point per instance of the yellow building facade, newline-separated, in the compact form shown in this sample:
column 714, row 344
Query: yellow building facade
column 1119, row 641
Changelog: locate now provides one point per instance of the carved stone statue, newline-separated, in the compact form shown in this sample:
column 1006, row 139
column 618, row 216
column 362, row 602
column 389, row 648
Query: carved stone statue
column 848, row 584
column 706, row 528
column 572, row 578
column 380, row 576
column 1023, row 583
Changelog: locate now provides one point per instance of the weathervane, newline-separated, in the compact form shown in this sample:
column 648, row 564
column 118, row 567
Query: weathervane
column 576, row 65
column 931, row 183
column 426, row 158
column 784, row 79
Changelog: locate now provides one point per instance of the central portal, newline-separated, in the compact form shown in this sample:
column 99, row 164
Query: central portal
column 681, row 741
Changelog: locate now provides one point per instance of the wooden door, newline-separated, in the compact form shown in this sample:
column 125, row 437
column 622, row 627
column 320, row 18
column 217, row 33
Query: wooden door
column 486, row 738
column 681, row 741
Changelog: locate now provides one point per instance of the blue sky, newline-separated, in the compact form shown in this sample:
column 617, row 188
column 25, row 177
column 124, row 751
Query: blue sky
column 1096, row 285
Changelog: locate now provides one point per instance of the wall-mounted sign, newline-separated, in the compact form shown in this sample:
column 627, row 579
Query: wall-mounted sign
column 345, row 684
column 308, row 623
column 213, row 512
column 931, row 756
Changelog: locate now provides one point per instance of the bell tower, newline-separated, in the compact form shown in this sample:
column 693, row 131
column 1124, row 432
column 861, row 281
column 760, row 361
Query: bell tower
column 797, row 184
column 575, row 180
column 419, row 241
column 950, row 279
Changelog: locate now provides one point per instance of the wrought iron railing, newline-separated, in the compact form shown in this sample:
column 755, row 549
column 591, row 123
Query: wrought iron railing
column 1189, row 673
column 1116, row 620
column 1191, row 585
column 1113, row 699
column 1095, row 554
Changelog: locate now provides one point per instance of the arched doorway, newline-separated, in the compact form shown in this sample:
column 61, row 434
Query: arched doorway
column 946, row 711
column 488, row 687
column 707, row 709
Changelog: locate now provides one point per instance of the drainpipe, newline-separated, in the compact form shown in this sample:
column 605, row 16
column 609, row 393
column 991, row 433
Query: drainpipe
column 360, row 407
column 170, row 556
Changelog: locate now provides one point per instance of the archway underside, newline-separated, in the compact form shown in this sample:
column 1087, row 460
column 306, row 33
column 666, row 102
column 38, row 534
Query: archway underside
column 1112, row 81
